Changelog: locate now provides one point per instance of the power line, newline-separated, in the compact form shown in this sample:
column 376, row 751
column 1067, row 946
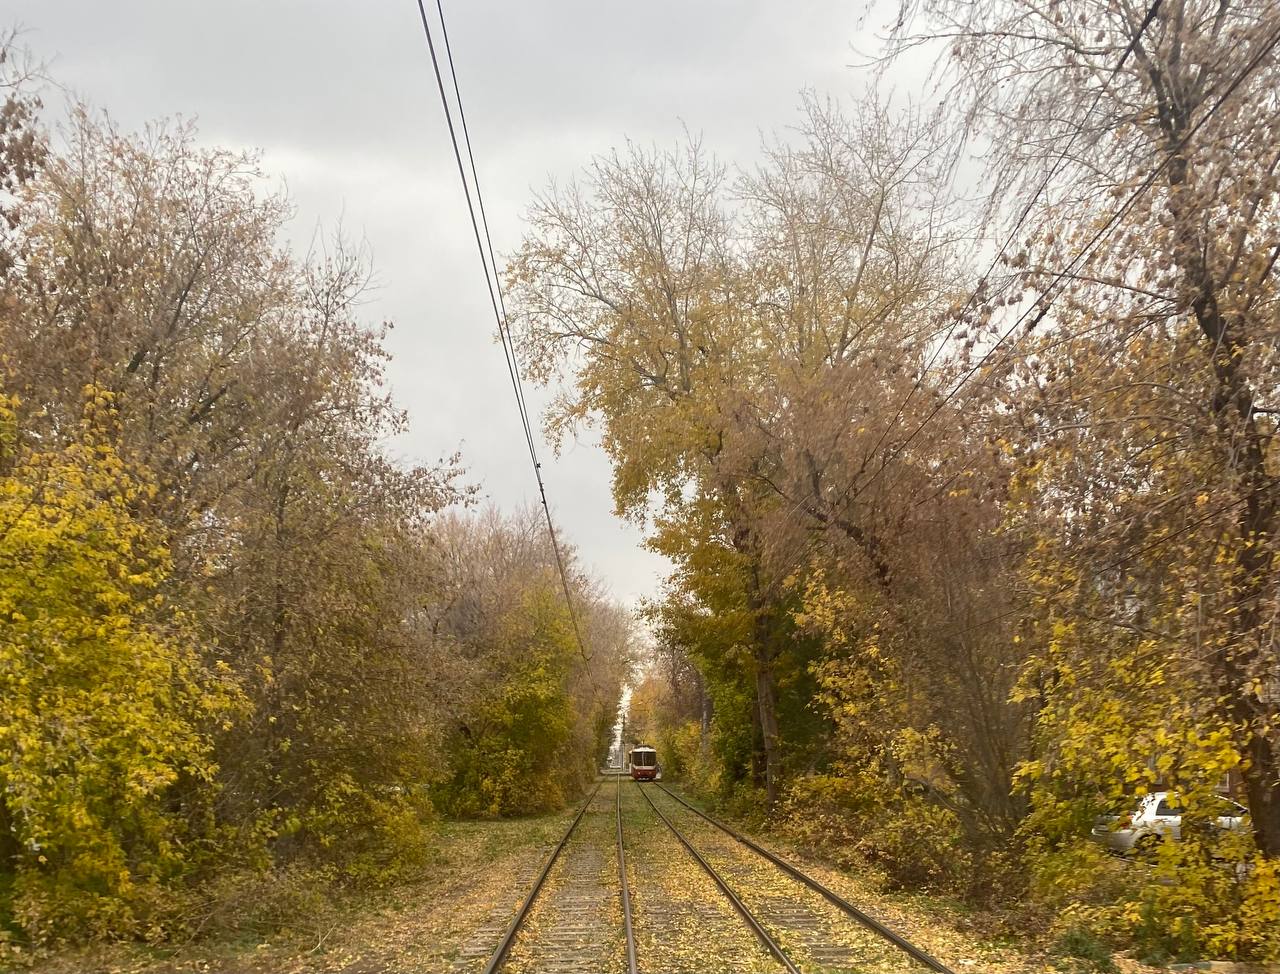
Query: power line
column 484, row 245
column 503, row 328
column 1045, row 302
column 504, row 331
column 1120, row 562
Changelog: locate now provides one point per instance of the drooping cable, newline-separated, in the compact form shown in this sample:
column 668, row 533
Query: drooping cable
column 1012, row 235
column 484, row 245
column 957, row 316
column 1044, row 302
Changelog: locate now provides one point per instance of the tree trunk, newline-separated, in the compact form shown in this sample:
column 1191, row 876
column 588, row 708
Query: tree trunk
column 1262, row 792
column 704, row 715
column 758, row 766
column 1254, row 571
column 746, row 543
column 767, row 702
column 766, row 685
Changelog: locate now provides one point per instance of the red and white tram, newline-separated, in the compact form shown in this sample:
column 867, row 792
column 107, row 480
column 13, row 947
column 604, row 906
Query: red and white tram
column 642, row 762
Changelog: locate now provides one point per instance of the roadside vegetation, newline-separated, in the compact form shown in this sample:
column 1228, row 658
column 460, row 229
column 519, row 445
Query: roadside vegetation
column 973, row 503
column 969, row 551
column 247, row 661
column 423, row 922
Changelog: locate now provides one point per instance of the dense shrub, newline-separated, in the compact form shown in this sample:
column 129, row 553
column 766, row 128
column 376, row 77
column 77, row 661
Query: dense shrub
column 106, row 708
column 856, row 821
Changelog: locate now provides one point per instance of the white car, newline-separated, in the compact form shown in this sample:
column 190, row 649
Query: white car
column 1157, row 816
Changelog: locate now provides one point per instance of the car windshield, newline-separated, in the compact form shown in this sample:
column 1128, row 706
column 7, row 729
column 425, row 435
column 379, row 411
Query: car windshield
column 1172, row 805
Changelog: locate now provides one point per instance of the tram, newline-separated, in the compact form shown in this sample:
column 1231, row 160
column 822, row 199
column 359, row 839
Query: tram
column 642, row 761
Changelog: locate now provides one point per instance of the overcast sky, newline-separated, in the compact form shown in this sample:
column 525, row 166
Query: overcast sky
column 339, row 96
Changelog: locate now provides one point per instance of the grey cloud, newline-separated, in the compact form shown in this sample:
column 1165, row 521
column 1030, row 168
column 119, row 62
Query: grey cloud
column 340, row 97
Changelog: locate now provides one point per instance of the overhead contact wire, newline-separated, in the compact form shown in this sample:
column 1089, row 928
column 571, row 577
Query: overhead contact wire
column 1026, row 211
column 484, row 245
column 504, row 326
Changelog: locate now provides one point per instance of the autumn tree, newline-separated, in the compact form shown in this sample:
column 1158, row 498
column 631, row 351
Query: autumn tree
column 245, row 386
column 22, row 144
column 1141, row 141
column 107, row 707
column 527, row 713
column 262, row 672
column 758, row 354
column 641, row 280
column 151, row 269
column 890, row 487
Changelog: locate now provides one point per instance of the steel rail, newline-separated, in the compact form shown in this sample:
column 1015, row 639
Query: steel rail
column 626, row 890
column 761, row 933
column 869, row 922
column 508, row 938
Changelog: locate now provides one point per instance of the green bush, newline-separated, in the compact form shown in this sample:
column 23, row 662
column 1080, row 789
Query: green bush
column 513, row 757
column 1079, row 949
column 1208, row 896
column 858, row 821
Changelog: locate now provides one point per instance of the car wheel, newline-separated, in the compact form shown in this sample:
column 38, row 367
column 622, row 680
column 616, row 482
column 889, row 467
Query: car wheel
column 1147, row 848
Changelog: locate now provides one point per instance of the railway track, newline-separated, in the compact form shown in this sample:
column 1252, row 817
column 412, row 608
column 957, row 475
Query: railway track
column 794, row 921
column 745, row 907
column 625, row 889
column 576, row 935
column 766, row 939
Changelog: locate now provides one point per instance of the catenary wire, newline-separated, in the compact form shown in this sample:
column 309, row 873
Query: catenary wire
column 503, row 326
column 1044, row 303
column 498, row 305
column 1026, row 211
column 1009, row 238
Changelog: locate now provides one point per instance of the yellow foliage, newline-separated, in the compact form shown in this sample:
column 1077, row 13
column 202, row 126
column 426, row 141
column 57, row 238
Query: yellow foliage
column 103, row 700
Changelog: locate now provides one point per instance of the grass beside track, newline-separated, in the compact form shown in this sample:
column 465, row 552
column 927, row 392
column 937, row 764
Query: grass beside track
column 476, row 869
column 953, row 934
column 480, row 871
